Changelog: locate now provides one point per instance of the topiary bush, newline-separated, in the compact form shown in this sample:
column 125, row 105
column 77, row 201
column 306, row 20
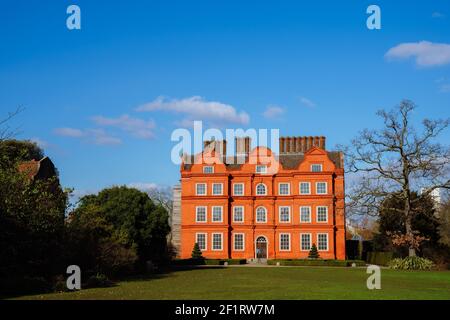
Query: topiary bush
column 313, row 253
column 411, row 263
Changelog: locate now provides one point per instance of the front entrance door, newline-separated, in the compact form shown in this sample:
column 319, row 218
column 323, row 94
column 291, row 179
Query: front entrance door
column 261, row 248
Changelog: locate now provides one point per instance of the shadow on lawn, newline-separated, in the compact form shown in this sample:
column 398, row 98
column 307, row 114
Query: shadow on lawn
column 15, row 288
column 166, row 272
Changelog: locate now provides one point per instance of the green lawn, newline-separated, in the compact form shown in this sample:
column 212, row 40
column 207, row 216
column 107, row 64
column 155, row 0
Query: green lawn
column 272, row 283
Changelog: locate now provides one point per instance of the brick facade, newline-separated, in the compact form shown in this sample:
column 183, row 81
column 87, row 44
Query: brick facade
column 298, row 201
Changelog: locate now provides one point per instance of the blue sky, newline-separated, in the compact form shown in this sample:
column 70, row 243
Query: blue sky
column 308, row 68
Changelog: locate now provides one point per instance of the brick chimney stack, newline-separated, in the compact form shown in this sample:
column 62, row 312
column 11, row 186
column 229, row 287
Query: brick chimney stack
column 290, row 145
column 219, row 146
column 242, row 145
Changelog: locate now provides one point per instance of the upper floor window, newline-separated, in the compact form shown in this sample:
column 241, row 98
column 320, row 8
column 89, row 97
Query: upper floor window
column 261, row 214
column 261, row 189
column 217, row 214
column 201, row 240
column 261, row 169
column 321, row 188
column 305, row 214
column 305, row 188
column 322, row 214
column 238, row 189
column 200, row 214
column 238, row 214
column 217, row 241
column 283, row 189
column 285, row 241
column 322, row 241
column 285, row 214
column 208, row 169
column 217, row 189
column 316, row 168
column 200, row 189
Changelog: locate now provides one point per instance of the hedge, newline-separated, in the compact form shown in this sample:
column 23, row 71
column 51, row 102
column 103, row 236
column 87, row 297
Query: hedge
column 209, row 262
column 379, row 258
column 316, row 262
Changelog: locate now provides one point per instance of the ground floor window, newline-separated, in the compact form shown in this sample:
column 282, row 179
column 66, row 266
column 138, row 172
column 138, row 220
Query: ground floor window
column 217, row 241
column 322, row 241
column 201, row 240
column 285, row 242
column 305, row 239
column 238, row 241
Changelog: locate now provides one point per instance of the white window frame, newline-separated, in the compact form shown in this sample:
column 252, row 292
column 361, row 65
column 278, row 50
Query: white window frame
column 265, row 214
column 261, row 166
column 300, row 187
column 221, row 241
column 221, row 214
column 196, row 214
column 289, row 189
column 243, row 214
column 212, row 169
column 328, row 241
column 221, row 189
column 326, row 187
column 243, row 241
column 310, row 214
column 279, row 214
column 206, row 240
column 265, row 189
column 301, row 241
column 206, row 189
column 243, row 189
column 279, row 241
column 317, row 164
column 317, row 214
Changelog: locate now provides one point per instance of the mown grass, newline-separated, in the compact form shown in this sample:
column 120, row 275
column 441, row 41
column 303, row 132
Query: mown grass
column 271, row 283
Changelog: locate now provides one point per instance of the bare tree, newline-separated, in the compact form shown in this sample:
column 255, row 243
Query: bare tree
column 162, row 196
column 6, row 132
column 395, row 161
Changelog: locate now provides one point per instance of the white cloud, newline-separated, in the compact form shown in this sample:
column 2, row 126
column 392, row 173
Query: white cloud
column 95, row 136
column 99, row 136
column 426, row 54
column 69, row 132
column 306, row 102
column 437, row 15
column 197, row 108
column 273, row 112
column 137, row 127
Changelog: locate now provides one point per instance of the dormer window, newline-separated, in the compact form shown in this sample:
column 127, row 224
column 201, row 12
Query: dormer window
column 208, row 169
column 316, row 168
column 261, row 169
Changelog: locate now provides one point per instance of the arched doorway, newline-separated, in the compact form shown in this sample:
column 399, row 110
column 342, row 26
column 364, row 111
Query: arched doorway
column 261, row 247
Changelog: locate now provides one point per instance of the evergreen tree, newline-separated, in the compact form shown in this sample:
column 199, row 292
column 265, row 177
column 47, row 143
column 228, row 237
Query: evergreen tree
column 313, row 253
column 196, row 252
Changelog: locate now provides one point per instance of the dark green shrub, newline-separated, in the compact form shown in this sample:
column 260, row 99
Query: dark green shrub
column 316, row 262
column 411, row 263
column 196, row 252
column 313, row 253
column 379, row 258
column 98, row 281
